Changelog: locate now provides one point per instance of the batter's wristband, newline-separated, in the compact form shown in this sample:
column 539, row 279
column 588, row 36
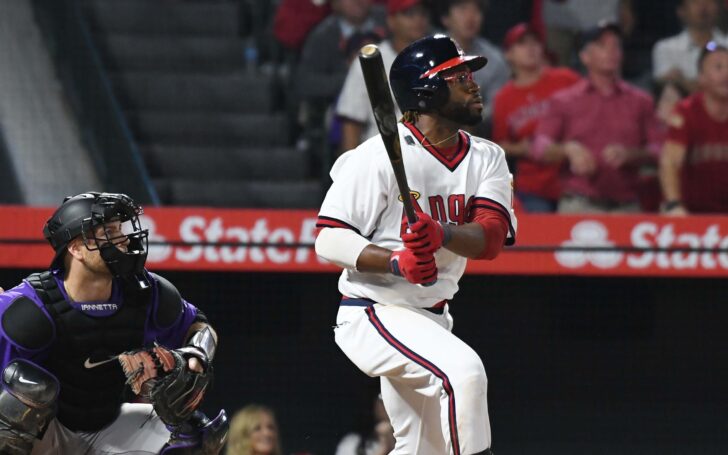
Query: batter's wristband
column 447, row 233
column 394, row 265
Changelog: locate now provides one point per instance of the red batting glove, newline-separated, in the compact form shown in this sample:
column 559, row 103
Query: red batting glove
column 416, row 268
column 424, row 236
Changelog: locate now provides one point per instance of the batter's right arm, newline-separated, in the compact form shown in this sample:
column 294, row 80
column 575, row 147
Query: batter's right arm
column 350, row 250
column 374, row 259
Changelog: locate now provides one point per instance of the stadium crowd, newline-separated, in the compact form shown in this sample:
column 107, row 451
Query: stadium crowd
column 601, row 106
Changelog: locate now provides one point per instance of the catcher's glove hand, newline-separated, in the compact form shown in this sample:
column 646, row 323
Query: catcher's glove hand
column 162, row 376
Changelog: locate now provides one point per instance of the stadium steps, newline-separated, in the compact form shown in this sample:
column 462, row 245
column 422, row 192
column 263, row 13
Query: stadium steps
column 217, row 92
column 206, row 54
column 165, row 17
column 226, row 163
column 204, row 118
column 210, row 128
column 237, row 193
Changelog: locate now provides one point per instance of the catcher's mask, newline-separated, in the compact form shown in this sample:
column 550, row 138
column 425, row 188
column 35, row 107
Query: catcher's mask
column 107, row 222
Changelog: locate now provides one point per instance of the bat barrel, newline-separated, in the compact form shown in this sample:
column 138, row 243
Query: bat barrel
column 380, row 97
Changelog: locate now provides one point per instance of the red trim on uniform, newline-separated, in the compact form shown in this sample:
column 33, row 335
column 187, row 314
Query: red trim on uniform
column 481, row 202
column 495, row 229
column 453, row 62
column 429, row 366
column 490, row 204
column 328, row 222
column 451, row 162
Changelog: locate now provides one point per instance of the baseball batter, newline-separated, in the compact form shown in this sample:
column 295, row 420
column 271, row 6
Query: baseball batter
column 394, row 321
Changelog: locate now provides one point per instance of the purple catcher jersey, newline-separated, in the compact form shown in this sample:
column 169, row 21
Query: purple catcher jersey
column 171, row 336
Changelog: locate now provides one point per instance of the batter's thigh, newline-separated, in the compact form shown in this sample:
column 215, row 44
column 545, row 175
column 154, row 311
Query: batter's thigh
column 416, row 352
column 137, row 431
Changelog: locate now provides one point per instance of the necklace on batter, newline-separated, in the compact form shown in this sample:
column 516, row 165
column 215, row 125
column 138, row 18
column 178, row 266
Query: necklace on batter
column 440, row 142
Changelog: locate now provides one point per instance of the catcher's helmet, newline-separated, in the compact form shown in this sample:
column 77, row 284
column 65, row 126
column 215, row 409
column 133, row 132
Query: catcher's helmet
column 415, row 73
column 81, row 214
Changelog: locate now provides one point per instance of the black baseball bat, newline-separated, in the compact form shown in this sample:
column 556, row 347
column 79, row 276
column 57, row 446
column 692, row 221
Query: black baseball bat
column 380, row 97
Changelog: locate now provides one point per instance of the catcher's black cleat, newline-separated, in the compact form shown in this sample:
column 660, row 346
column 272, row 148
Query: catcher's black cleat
column 198, row 435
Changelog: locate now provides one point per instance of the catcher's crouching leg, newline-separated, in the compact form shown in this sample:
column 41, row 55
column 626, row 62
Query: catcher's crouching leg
column 198, row 435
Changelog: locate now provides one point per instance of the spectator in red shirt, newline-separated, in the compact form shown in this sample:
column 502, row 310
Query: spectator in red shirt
column 694, row 161
column 295, row 18
column 518, row 105
column 604, row 127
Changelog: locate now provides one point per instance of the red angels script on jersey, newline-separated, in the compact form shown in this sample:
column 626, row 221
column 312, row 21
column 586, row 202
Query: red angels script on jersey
column 455, row 211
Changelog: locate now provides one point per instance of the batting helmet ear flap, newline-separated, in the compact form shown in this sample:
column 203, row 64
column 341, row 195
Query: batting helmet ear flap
column 429, row 97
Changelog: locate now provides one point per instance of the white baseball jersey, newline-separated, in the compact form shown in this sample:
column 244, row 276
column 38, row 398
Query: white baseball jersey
column 364, row 197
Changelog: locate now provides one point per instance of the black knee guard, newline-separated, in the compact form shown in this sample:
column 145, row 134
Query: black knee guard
column 198, row 435
column 27, row 405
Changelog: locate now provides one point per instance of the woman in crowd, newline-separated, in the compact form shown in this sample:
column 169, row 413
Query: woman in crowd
column 254, row 431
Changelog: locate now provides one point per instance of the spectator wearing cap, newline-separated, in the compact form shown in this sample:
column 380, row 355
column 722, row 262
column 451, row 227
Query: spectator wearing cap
column 407, row 21
column 674, row 59
column 565, row 20
column 463, row 20
column 694, row 161
column 517, row 107
column 324, row 61
column 604, row 127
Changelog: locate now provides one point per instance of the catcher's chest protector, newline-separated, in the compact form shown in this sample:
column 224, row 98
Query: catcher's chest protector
column 91, row 389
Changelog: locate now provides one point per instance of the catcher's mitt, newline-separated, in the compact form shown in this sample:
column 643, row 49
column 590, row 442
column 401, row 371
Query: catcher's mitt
column 161, row 375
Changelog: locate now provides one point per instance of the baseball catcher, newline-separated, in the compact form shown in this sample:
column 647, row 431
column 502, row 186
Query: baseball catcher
column 99, row 355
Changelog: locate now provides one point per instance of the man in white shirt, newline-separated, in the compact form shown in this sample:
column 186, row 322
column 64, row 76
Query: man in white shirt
column 407, row 20
column 675, row 59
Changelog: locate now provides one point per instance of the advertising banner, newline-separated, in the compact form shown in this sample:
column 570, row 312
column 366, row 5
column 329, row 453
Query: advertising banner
column 209, row 239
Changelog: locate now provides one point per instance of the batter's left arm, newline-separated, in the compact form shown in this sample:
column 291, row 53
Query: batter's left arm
column 481, row 239
column 491, row 222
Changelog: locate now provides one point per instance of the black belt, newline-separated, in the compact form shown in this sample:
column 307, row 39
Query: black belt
column 438, row 308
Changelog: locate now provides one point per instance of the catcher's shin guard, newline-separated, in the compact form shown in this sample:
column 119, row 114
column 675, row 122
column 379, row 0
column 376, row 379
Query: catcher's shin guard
column 28, row 395
column 198, row 435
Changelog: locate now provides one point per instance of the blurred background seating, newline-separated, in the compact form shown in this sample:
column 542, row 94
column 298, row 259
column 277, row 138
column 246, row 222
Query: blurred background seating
column 216, row 102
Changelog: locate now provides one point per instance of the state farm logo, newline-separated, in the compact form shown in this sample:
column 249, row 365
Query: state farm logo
column 647, row 234
column 589, row 234
column 258, row 243
column 654, row 238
